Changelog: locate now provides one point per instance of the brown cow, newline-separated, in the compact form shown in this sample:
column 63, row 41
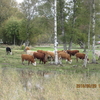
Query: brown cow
column 41, row 56
column 80, row 56
column 51, row 55
column 42, row 51
column 64, row 55
column 61, row 51
column 29, row 58
column 72, row 52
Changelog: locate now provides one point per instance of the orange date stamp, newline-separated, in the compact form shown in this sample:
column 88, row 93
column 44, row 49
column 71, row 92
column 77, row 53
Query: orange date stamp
column 87, row 85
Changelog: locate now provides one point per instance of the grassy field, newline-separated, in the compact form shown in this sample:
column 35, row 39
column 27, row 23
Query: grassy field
column 27, row 85
column 14, row 61
column 46, row 81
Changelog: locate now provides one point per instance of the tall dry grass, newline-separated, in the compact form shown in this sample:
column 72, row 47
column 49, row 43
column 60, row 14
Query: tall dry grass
column 27, row 85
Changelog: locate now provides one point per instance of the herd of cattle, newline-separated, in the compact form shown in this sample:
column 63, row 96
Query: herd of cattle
column 45, row 56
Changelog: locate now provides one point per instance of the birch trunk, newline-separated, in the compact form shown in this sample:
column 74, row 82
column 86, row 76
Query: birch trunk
column 85, row 61
column 93, row 31
column 89, row 30
column 55, row 31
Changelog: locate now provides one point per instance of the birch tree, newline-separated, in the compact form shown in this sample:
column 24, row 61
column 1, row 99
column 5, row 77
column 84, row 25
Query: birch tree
column 28, row 8
column 89, row 27
column 93, row 31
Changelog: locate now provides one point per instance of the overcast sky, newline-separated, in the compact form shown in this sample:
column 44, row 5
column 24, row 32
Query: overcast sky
column 19, row 1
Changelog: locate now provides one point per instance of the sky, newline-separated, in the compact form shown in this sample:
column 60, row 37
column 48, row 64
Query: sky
column 19, row 1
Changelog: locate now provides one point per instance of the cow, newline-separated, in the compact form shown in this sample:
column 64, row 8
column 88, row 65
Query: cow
column 29, row 52
column 8, row 50
column 97, row 53
column 42, row 51
column 41, row 56
column 81, row 56
column 51, row 55
column 72, row 52
column 27, row 48
column 63, row 55
column 28, row 58
column 61, row 51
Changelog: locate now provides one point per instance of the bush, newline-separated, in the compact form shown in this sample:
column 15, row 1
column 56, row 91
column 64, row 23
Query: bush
column 22, row 47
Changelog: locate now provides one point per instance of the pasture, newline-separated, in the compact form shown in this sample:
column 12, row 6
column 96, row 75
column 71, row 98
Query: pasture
column 14, row 61
column 46, row 81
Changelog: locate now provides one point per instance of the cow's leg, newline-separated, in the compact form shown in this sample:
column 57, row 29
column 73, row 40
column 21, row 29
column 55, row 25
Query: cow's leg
column 76, row 59
column 28, row 62
column 99, row 58
column 44, row 62
column 22, row 61
column 52, row 59
column 40, row 61
column 7, row 52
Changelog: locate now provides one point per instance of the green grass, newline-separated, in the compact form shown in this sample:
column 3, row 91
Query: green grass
column 14, row 61
column 45, row 48
column 23, row 82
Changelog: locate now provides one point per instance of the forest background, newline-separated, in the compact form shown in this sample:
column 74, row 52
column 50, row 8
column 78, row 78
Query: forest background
column 32, row 22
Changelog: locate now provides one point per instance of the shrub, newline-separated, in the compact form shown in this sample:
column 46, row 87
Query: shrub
column 22, row 47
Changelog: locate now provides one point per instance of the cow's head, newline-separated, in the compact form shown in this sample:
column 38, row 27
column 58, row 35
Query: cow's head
column 87, row 60
column 10, row 53
column 34, row 63
column 70, row 61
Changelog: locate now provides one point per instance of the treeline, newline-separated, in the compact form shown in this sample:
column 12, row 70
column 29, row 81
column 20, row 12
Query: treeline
column 32, row 22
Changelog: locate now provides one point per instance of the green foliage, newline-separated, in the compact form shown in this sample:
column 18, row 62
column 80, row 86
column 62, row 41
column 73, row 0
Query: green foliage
column 22, row 47
column 11, row 30
column 8, row 8
column 22, row 30
column 36, row 22
column 77, row 25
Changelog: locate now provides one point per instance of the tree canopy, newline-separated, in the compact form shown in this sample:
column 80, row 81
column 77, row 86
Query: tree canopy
column 33, row 21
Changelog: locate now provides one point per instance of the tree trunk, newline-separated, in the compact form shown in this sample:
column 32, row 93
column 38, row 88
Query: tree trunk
column 55, row 31
column 26, row 43
column 85, row 61
column 89, row 30
column 93, row 31
column 65, row 46
column 70, row 45
column 62, row 26
column 93, row 51
column 73, row 24
column 14, row 39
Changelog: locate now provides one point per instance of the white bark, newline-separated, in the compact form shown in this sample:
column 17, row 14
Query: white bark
column 55, row 31
column 93, row 52
column 93, row 31
column 85, row 61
